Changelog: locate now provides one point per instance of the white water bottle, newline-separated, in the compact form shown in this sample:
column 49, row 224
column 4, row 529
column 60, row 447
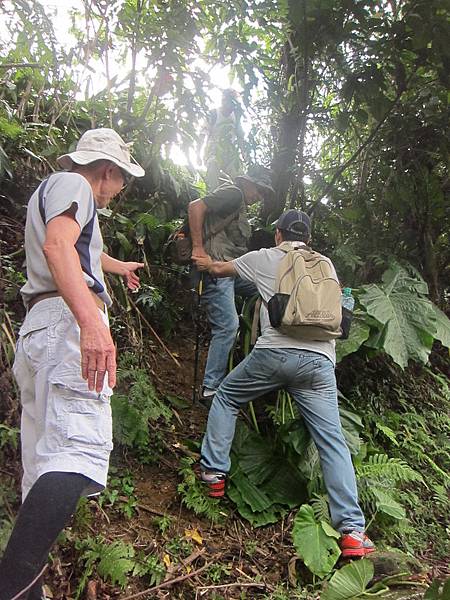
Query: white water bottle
column 347, row 299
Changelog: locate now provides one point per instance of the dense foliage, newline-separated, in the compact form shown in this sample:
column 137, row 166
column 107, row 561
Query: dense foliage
column 346, row 101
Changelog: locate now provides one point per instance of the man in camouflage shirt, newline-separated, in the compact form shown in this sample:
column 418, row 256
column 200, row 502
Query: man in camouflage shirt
column 219, row 228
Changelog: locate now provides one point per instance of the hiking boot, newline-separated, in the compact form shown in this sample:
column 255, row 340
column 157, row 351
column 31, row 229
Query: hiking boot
column 355, row 544
column 215, row 482
column 207, row 397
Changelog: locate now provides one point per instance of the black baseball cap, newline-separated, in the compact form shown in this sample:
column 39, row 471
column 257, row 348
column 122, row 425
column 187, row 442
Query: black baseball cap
column 294, row 221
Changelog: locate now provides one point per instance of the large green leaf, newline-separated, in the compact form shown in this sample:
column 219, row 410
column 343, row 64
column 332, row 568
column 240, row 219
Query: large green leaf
column 442, row 327
column 308, row 464
column 408, row 319
column 318, row 550
column 295, row 435
column 352, row 425
column 252, row 504
column 359, row 332
column 257, row 458
column 407, row 278
column 250, row 494
column 349, row 582
column 286, row 486
column 257, row 518
column 263, row 473
column 386, row 503
column 240, row 436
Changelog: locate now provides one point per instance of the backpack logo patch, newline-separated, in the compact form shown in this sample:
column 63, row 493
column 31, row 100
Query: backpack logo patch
column 321, row 315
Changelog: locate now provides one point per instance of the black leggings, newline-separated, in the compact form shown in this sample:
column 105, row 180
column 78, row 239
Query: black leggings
column 44, row 514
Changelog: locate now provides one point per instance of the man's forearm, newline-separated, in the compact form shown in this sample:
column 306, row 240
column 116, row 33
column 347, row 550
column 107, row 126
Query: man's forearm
column 112, row 265
column 221, row 269
column 196, row 213
column 64, row 265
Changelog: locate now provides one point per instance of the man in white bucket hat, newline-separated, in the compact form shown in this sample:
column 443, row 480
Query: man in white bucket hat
column 65, row 361
column 98, row 144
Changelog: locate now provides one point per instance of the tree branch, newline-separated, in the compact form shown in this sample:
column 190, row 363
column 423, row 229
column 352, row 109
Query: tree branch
column 357, row 152
column 20, row 65
column 169, row 583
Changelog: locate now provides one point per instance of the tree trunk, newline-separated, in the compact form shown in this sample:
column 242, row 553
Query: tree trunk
column 134, row 51
column 293, row 126
column 286, row 147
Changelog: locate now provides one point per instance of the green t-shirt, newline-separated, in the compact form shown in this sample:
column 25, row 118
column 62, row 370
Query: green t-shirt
column 230, row 241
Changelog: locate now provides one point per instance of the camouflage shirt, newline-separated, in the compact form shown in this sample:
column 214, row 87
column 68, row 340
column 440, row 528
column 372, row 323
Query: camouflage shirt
column 226, row 206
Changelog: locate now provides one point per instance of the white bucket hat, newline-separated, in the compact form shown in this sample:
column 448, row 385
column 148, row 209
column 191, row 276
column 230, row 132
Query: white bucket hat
column 106, row 144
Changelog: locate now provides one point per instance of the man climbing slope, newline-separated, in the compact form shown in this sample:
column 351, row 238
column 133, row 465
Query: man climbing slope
column 65, row 361
column 304, row 367
column 219, row 227
column 224, row 140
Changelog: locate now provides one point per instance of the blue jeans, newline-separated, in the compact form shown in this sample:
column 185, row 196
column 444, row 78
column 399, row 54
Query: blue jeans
column 218, row 297
column 309, row 378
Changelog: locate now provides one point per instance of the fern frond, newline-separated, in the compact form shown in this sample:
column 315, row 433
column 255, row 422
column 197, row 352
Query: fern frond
column 382, row 469
column 320, row 507
column 150, row 566
column 193, row 493
column 113, row 561
column 116, row 562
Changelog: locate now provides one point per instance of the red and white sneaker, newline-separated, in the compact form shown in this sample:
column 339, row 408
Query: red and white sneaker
column 215, row 482
column 355, row 544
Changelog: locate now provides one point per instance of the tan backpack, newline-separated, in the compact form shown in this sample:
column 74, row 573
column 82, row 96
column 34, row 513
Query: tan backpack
column 308, row 296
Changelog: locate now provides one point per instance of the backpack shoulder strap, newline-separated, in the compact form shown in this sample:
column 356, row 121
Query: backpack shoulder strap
column 287, row 247
column 255, row 322
column 222, row 224
column 41, row 193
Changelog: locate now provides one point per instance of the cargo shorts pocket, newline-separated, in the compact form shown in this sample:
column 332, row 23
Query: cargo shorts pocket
column 37, row 333
column 83, row 417
column 89, row 428
column 84, row 424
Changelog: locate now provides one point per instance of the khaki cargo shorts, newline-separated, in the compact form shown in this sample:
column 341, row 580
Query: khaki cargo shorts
column 64, row 426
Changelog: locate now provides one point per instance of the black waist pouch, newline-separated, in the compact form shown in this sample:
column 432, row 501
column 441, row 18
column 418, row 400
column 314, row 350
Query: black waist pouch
column 276, row 307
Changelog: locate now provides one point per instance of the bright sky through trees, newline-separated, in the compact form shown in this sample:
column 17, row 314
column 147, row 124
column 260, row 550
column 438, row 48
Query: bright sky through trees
column 62, row 21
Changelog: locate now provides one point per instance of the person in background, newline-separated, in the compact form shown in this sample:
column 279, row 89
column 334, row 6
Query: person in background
column 304, row 367
column 219, row 227
column 224, row 145
column 65, row 362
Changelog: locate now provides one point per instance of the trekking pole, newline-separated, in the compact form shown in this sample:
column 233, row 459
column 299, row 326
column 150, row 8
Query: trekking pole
column 197, row 337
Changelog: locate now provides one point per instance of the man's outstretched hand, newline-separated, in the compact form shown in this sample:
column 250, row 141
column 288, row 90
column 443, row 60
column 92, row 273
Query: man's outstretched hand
column 131, row 279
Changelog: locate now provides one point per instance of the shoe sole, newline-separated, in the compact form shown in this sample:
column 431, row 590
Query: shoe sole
column 216, row 490
column 216, row 494
column 356, row 552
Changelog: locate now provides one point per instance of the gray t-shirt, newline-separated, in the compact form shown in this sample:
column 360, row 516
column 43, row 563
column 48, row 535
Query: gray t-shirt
column 56, row 195
column 261, row 267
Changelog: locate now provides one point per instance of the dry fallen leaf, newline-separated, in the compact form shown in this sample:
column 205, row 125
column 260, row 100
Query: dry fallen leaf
column 193, row 534
column 91, row 590
column 292, row 571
